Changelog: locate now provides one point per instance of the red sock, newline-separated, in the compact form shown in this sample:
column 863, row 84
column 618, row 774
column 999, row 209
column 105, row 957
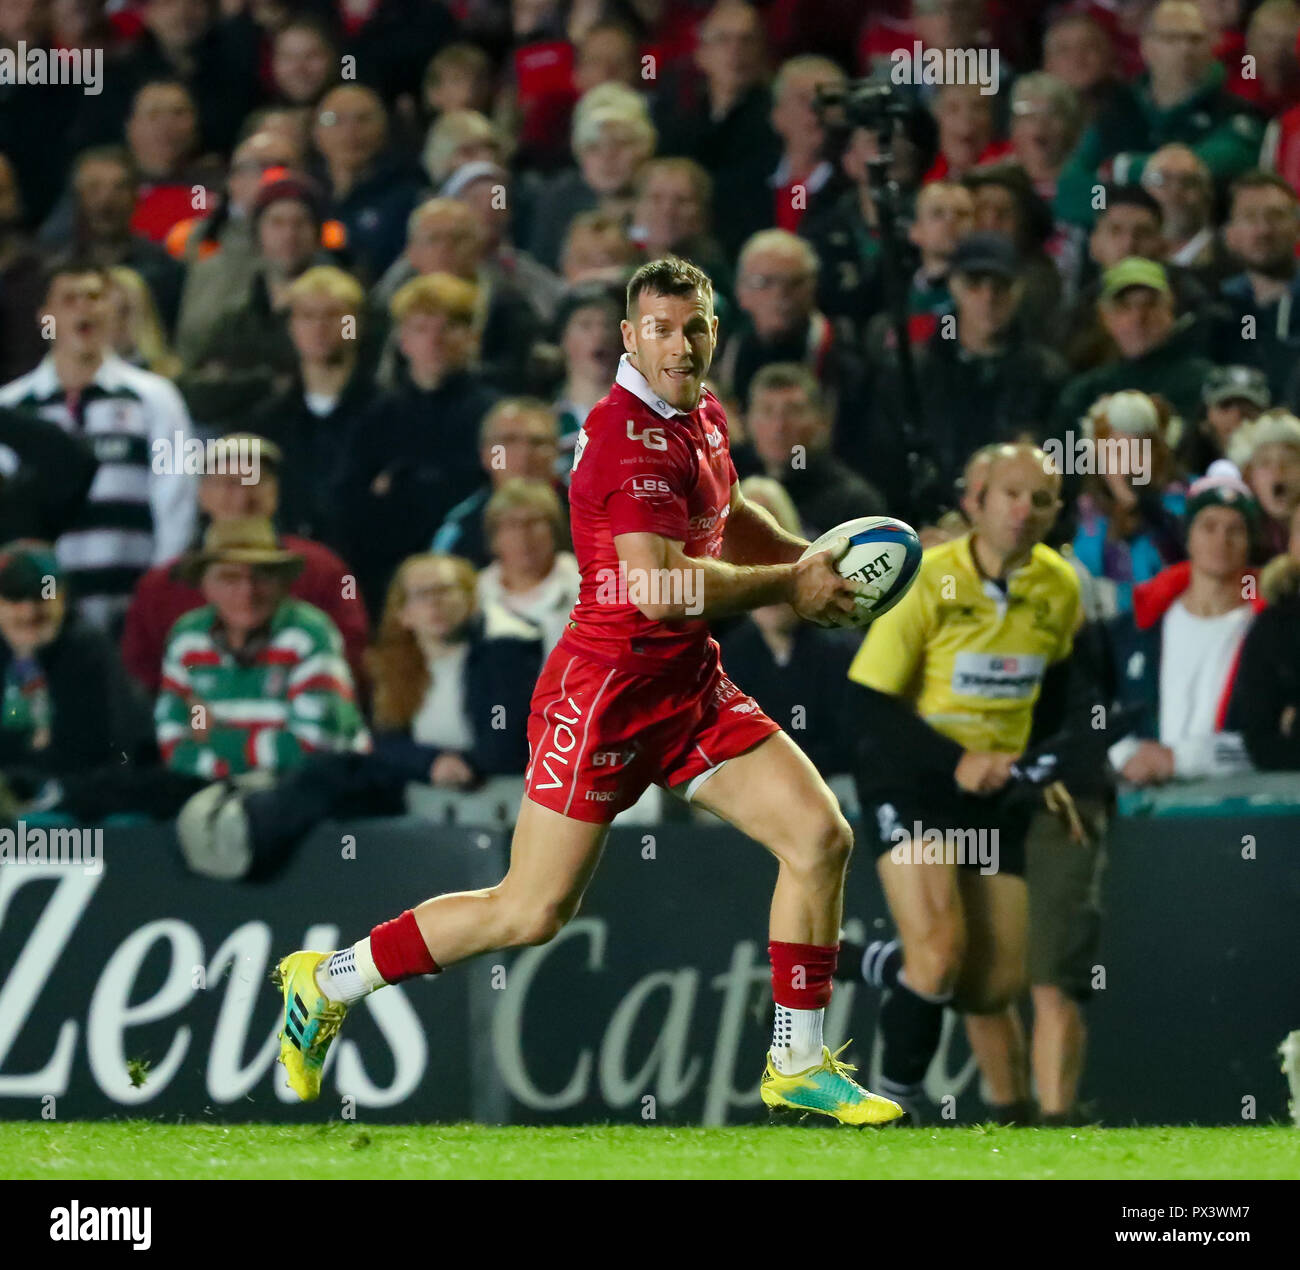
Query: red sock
column 399, row 950
column 801, row 974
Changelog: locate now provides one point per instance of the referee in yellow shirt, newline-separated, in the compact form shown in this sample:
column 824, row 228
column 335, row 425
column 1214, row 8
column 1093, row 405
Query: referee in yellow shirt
column 953, row 676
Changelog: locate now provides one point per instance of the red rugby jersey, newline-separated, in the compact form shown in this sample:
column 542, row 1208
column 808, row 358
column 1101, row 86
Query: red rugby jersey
column 642, row 466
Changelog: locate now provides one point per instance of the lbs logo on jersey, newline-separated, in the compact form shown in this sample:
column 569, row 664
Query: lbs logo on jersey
column 648, row 488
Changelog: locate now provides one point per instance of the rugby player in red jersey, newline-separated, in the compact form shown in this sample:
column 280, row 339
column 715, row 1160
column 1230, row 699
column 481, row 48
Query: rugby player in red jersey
column 634, row 693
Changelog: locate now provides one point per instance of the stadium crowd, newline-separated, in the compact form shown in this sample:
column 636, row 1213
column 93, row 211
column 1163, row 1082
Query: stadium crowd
column 302, row 311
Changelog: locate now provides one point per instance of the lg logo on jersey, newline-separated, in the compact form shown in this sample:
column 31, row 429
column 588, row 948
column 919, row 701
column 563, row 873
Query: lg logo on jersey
column 651, row 438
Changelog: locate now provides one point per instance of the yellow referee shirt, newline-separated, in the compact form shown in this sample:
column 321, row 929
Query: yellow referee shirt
column 967, row 655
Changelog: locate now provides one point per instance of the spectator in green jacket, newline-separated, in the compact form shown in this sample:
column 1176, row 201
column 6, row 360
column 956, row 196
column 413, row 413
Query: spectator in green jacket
column 1181, row 97
column 254, row 679
column 1157, row 352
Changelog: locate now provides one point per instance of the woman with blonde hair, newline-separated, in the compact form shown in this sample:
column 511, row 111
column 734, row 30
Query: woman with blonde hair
column 137, row 330
column 452, row 678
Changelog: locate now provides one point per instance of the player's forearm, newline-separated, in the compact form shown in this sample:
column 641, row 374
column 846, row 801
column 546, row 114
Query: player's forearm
column 754, row 537
column 701, row 587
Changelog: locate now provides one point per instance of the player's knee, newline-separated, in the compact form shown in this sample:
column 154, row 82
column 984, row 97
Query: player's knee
column 531, row 921
column 1003, row 984
column 823, row 849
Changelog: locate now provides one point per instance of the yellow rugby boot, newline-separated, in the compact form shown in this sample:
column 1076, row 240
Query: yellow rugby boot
column 311, row 1022
column 827, row 1090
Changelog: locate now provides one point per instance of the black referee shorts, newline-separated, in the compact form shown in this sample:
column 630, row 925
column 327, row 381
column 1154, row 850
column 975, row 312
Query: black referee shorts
column 937, row 824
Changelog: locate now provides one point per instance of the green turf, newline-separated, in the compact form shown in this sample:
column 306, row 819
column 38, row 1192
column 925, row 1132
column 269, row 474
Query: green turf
column 142, row 1149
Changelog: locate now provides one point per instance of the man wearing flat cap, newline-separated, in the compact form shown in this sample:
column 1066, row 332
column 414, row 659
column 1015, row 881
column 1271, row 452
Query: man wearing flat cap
column 254, row 680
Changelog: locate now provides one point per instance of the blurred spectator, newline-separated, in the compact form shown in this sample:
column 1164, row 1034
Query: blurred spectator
column 313, row 418
column 804, row 172
column 136, row 330
column 372, row 188
column 1267, row 454
column 487, row 190
column 304, row 61
column 1181, row 98
column 776, row 288
column 980, row 379
column 1005, row 204
column 607, row 54
column 104, row 198
column 220, row 250
column 1156, row 355
column 446, row 236
column 1046, row 119
column 596, row 249
column 247, row 351
column 414, row 455
column 672, row 215
column 1262, row 231
column 141, row 505
column 391, row 41
column 530, row 574
column 21, row 280
column 945, row 214
column 457, row 138
column 162, row 595
column 718, row 112
column 1176, row 654
column 1079, row 51
column 45, row 475
column 1177, row 178
column 1265, row 705
column 517, row 440
column 458, row 77
column 162, row 135
column 212, row 53
column 1128, row 225
column 590, row 342
column 967, row 131
column 612, row 137
column 1233, row 395
column 448, row 675
column 1270, row 79
column 1130, row 514
column 253, row 680
column 789, row 421
column 794, row 670
column 67, row 705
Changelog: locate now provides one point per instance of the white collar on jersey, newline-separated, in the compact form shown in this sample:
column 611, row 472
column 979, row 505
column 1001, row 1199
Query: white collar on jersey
column 636, row 383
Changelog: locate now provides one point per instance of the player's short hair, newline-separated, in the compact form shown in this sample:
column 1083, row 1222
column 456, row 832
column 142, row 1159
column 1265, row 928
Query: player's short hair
column 515, row 405
column 436, row 293
column 518, row 494
column 780, row 375
column 330, row 281
column 669, row 275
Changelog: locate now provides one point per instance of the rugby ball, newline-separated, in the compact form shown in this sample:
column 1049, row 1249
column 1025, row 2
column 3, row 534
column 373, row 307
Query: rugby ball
column 882, row 553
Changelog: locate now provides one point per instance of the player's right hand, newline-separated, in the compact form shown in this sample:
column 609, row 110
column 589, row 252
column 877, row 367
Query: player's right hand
column 983, row 772
column 818, row 593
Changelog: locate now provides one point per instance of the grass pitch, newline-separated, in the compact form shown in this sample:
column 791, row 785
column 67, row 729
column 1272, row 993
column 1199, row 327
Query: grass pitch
column 140, row 1149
